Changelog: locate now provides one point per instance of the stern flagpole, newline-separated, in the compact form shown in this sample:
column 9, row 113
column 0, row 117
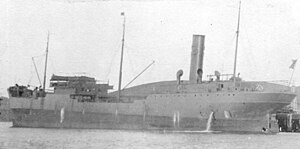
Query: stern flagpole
column 292, row 67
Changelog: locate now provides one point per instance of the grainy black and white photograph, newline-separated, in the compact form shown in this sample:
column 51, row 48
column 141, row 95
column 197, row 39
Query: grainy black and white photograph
column 149, row 74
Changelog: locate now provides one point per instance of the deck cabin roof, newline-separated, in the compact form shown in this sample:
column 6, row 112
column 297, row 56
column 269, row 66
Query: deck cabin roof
column 72, row 78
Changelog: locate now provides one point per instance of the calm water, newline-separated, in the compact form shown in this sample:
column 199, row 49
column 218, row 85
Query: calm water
column 82, row 138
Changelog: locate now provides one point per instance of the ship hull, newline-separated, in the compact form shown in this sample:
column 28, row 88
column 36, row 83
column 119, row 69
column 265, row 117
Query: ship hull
column 159, row 112
column 5, row 112
column 77, row 120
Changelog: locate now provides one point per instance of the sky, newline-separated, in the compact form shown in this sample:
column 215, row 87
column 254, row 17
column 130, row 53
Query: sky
column 85, row 39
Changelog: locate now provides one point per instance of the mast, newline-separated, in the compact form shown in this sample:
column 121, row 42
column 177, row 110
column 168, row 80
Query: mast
column 121, row 63
column 236, row 44
column 45, row 71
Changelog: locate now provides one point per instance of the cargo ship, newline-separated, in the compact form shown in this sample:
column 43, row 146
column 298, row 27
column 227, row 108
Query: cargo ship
column 79, row 102
column 224, row 102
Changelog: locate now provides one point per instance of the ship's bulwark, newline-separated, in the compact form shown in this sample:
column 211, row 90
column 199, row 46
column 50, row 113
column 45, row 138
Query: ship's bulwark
column 233, row 112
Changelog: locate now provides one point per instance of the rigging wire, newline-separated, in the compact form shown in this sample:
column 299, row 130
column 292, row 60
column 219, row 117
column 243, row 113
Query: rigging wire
column 37, row 73
column 31, row 75
column 130, row 60
column 112, row 61
column 52, row 64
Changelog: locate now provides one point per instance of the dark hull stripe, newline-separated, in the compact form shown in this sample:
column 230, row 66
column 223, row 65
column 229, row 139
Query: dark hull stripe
column 88, row 120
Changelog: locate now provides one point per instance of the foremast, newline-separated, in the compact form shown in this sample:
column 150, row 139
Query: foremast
column 45, row 71
column 236, row 44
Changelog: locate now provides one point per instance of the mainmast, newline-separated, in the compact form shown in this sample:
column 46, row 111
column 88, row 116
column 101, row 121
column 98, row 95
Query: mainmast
column 45, row 71
column 236, row 44
column 121, row 63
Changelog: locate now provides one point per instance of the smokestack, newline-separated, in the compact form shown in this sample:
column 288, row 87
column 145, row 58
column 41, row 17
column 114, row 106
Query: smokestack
column 196, row 69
